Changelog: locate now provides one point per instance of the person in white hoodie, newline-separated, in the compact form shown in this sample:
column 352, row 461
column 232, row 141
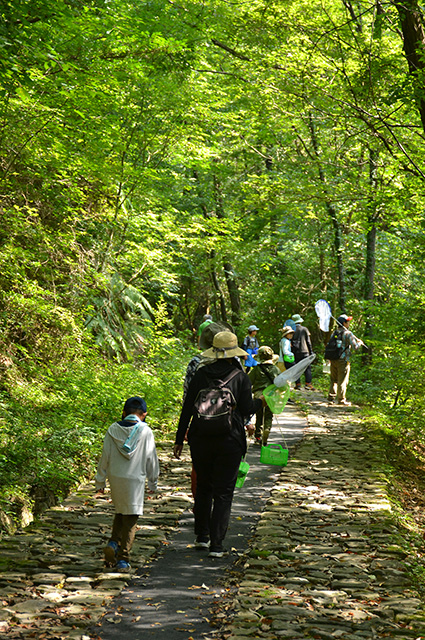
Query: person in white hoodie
column 128, row 458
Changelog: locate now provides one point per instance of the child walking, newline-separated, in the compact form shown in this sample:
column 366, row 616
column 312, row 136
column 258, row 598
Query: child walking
column 128, row 458
column 261, row 377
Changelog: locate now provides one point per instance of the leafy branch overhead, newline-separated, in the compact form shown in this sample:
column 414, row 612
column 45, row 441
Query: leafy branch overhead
column 159, row 161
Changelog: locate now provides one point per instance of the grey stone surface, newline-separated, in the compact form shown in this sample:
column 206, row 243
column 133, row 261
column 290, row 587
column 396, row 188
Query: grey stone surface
column 344, row 566
column 327, row 559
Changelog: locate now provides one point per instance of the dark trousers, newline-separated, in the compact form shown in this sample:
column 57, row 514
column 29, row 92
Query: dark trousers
column 263, row 423
column 216, row 463
column 123, row 533
column 307, row 372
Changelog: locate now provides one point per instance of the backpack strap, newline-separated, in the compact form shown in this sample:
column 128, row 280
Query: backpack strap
column 339, row 335
column 230, row 377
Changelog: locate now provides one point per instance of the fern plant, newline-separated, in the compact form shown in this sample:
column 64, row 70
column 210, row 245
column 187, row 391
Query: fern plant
column 117, row 318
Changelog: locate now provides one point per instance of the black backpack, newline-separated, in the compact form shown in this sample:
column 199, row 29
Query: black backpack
column 214, row 406
column 334, row 349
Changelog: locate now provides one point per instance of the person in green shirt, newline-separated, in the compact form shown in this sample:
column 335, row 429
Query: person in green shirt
column 261, row 377
column 207, row 319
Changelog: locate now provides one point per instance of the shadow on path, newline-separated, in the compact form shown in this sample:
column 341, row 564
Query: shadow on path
column 172, row 597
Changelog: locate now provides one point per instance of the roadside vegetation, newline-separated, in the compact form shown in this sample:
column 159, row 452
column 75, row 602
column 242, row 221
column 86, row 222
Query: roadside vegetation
column 159, row 161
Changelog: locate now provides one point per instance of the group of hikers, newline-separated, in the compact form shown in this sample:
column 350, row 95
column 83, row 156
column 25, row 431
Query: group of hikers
column 223, row 389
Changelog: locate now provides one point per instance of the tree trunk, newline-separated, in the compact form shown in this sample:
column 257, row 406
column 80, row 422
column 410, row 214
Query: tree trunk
column 232, row 286
column 322, row 262
column 369, row 282
column 412, row 25
column 342, row 298
column 229, row 272
column 334, row 219
column 217, row 286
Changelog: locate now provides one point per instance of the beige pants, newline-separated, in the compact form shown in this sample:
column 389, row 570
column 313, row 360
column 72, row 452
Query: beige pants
column 340, row 374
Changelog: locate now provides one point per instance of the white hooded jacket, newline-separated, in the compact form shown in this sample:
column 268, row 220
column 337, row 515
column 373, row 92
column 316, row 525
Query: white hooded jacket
column 127, row 470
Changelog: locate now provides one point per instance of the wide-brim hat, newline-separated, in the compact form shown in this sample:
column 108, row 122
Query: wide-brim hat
column 207, row 335
column 225, row 345
column 297, row 318
column 287, row 330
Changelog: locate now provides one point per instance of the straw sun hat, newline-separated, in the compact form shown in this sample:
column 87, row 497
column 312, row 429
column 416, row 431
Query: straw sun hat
column 225, row 345
column 286, row 331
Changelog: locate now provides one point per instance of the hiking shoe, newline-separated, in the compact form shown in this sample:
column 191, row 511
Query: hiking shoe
column 310, row 387
column 298, row 386
column 202, row 543
column 110, row 552
column 344, row 403
column 257, row 440
column 290, row 401
column 123, row 565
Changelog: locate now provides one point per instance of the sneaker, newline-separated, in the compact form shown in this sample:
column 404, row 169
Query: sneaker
column 310, row 387
column 123, row 565
column 298, row 386
column 219, row 553
column 257, row 440
column 202, row 544
column 290, row 401
column 344, row 403
column 110, row 552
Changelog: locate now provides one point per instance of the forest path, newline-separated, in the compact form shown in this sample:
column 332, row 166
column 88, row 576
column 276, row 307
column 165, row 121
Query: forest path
column 53, row 583
column 329, row 559
column 324, row 556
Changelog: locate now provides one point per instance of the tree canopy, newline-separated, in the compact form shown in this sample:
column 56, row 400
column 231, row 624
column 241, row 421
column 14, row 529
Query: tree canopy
column 161, row 160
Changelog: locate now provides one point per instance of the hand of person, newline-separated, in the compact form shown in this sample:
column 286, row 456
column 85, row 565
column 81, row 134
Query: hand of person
column 178, row 448
column 263, row 401
column 250, row 428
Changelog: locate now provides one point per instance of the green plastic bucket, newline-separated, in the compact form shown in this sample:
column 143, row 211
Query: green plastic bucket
column 274, row 454
column 242, row 473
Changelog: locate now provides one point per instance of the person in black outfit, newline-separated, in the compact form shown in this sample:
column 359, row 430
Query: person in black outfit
column 216, row 458
column 302, row 348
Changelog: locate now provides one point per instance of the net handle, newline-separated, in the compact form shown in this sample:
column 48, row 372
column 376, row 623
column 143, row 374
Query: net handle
column 281, row 433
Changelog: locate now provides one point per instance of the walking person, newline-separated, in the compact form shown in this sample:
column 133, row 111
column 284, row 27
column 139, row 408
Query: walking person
column 302, row 348
column 205, row 342
column 261, row 377
column 128, row 459
column 286, row 357
column 206, row 320
column 340, row 366
column 251, row 345
column 216, row 452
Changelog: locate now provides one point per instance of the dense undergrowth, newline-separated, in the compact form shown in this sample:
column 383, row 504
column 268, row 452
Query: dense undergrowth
column 52, row 424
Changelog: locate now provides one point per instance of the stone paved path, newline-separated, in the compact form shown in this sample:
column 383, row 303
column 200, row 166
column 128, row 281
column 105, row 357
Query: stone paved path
column 327, row 560
column 51, row 580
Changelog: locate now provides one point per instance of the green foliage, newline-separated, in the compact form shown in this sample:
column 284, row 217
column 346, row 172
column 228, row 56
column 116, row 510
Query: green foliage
column 52, row 427
column 149, row 150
